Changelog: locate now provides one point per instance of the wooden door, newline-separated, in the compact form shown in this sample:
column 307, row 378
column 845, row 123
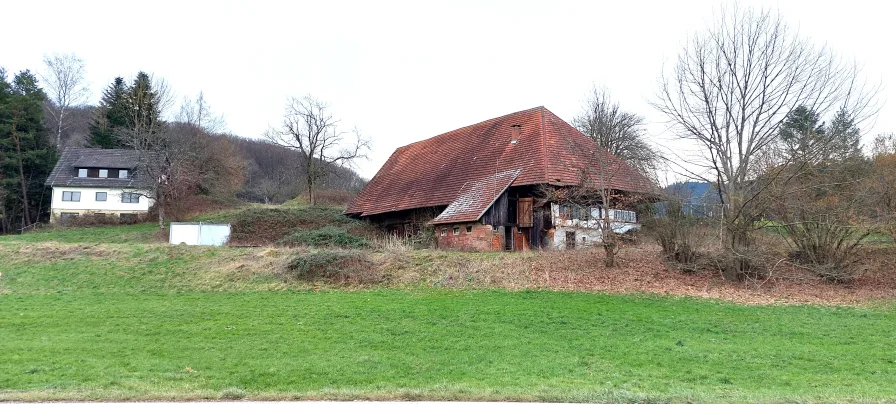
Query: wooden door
column 524, row 212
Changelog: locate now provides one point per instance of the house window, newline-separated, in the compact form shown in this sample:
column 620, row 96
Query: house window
column 130, row 197
column 104, row 173
column 67, row 215
column 444, row 232
column 71, row 196
column 93, row 173
column 122, row 173
column 469, row 229
column 101, row 197
column 82, row 172
column 456, row 230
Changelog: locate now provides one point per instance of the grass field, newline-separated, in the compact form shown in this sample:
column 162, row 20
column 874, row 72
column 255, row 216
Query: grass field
column 133, row 320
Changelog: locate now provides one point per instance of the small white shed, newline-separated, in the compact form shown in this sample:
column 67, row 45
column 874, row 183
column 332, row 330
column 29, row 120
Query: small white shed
column 198, row 233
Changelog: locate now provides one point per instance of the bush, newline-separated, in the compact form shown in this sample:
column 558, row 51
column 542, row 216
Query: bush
column 93, row 220
column 328, row 236
column 331, row 265
column 826, row 246
column 679, row 234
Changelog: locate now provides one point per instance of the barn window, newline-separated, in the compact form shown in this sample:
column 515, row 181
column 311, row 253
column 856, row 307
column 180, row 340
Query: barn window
column 444, row 232
column 456, row 230
column 469, row 228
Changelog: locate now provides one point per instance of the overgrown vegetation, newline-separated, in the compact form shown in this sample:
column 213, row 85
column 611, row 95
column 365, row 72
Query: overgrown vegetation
column 328, row 236
column 340, row 266
column 264, row 226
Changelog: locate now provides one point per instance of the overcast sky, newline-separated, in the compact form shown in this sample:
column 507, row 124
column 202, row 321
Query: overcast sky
column 406, row 71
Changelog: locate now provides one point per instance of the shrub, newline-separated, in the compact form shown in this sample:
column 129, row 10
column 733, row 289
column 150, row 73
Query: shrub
column 331, row 265
column 679, row 234
column 826, row 246
column 328, row 236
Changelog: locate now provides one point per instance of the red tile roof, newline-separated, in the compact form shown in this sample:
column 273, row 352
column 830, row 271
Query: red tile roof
column 435, row 171
column 476, row 197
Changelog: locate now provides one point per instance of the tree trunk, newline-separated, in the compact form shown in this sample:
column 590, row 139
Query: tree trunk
column 25, row 212
column 59, row 128
column 160, row 201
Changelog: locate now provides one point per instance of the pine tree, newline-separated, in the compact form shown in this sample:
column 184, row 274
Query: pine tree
column 802, row 134
column 143, row 110
column 846, row 137
column 27, row 155
column 111, row 115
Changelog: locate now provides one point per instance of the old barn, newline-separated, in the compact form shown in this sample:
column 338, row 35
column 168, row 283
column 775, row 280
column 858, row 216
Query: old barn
column 489, row 186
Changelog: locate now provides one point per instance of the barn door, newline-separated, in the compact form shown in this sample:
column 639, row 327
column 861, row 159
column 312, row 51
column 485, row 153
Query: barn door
column 524, row 212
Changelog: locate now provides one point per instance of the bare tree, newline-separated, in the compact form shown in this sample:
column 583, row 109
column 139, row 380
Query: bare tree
column 309, row 127
column 730, row 90
column 619, row 132
column 197, row 112
column 65, row 86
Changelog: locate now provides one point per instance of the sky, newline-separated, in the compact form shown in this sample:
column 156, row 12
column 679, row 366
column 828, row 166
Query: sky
column 406, row 71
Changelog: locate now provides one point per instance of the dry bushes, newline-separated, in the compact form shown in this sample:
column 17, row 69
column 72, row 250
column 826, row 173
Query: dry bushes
column 339, row 266
column 90, row 219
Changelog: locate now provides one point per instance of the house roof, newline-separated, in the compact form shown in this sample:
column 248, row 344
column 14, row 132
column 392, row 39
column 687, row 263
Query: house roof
column 476, row 197
column 439, row 170
column 65, row 172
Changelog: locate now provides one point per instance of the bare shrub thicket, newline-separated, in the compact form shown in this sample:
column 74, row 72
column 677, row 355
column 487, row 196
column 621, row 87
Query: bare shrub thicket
column 679, row 233
column 339, row 266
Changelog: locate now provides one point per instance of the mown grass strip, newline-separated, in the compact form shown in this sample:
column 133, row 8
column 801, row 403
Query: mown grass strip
column 436, row 344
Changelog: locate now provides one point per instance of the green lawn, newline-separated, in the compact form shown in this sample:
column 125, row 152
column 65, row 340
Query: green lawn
column 125, row 234
column 143, row 321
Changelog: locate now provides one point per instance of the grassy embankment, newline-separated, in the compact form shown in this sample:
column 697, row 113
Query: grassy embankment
column 128, row 319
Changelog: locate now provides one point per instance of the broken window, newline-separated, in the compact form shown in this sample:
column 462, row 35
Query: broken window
column 444, row 232
column 456, row 230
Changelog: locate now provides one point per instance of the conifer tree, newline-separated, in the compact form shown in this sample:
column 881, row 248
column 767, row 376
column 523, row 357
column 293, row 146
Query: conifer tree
column 26, row 153
column 111, row 115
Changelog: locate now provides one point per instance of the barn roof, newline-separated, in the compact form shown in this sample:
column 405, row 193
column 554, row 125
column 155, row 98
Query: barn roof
column 443, row 170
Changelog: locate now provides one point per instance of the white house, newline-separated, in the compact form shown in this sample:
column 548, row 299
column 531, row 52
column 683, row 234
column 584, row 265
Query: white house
column 100, row 182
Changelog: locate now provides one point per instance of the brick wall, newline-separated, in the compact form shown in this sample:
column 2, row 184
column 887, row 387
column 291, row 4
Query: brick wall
column 480, row 238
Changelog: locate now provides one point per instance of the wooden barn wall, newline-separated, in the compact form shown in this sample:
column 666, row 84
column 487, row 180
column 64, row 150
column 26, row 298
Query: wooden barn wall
column 496, row 215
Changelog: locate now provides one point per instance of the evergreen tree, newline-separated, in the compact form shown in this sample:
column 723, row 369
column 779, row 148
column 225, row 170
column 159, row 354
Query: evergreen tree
column 846, row 137
column 27, row 155
column 802, row 134
column 111, row 115
column 144, row 113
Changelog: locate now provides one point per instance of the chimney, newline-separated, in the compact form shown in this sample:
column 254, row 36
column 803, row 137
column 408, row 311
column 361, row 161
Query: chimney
column 515, row 134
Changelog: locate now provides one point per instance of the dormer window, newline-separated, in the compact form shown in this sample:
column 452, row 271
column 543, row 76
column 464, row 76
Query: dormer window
column 102, row 173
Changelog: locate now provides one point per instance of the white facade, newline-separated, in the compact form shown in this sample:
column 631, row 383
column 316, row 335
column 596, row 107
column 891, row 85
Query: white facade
column 586, row 231
column 88, row 202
